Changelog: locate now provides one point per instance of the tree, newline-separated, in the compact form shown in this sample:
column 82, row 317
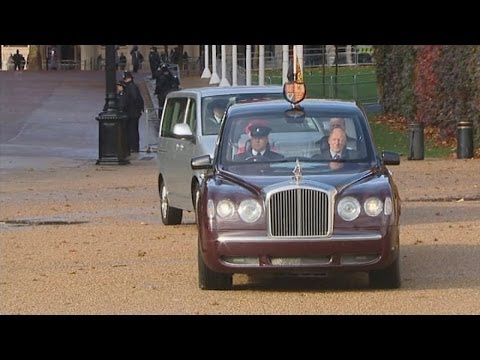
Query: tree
column 35, row 58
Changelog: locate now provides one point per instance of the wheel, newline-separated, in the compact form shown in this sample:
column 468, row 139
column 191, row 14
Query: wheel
column 170, row 215
column 211, row 280
column 388, row 278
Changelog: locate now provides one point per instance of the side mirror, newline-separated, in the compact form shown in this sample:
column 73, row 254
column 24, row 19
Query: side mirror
column 203, row 162
column 390, row 158
column 182, row 131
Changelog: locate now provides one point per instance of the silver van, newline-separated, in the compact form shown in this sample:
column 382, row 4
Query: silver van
column 189, row 128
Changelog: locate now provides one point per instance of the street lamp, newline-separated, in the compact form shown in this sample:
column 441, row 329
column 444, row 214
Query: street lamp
column 112, row 137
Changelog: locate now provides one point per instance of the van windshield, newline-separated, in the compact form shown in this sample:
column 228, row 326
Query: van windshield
column 213, row 108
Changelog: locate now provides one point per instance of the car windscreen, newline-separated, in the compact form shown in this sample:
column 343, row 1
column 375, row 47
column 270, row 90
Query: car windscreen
column 277, row 140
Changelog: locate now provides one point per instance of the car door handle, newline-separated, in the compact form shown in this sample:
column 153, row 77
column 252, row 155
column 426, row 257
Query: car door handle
column 179, row 146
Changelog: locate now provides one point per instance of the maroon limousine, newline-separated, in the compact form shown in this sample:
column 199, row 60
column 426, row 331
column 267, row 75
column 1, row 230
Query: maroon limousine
column 297, row 189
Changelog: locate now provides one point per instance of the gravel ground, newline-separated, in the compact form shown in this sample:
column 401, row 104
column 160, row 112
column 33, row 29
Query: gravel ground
column 88, row 239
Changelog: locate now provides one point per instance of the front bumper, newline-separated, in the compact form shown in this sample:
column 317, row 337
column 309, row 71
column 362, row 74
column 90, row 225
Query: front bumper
column 239, row 253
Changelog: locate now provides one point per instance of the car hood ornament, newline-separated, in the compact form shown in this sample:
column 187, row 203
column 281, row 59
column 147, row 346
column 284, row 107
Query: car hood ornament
column 297, row 172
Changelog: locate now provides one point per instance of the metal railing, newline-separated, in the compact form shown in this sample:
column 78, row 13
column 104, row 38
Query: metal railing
column 362, row 87
column 312, row 58
column 152, row 127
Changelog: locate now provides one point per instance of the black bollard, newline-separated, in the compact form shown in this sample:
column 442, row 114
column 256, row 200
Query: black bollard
column 464, row 140
column 416, row 141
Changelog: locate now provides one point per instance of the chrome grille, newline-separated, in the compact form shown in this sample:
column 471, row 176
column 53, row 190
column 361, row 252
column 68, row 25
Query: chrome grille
column 298, row 212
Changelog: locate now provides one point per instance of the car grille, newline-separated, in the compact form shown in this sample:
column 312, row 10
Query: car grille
column 298, row 212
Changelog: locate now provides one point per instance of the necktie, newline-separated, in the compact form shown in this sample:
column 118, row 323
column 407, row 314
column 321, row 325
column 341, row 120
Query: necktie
column 337, row 156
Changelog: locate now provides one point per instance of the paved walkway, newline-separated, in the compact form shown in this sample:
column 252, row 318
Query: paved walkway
column 48, row 119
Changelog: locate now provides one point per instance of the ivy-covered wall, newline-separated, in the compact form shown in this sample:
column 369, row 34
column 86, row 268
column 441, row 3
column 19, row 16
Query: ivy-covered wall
column 438, row 85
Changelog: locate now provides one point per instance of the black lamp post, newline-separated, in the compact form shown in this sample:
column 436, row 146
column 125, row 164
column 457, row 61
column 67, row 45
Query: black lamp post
column 112, row 137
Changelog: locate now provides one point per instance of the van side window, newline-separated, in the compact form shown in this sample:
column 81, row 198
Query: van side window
column 174, row 114
column 192, row 115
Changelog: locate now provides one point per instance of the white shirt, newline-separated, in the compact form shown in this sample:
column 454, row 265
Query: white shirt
column 218, row 119
column 333, row 154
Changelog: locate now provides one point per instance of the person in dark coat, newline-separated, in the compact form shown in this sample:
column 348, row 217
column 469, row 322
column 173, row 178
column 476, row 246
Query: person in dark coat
column 122, row 109
column 164, row 84
column 260, row 147
column 137, row 58
column 213, row 121
column 122, row 60
column 154, row 60
column 337, row 122
column 134, row 109
column 23, row 62
column 17, row 61
column 121, row 97
column 337, row 149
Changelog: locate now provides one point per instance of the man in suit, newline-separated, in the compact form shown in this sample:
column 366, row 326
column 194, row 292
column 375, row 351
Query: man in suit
column 334, row 123
column 337, row 142
column 260, row 149
column 213, row 121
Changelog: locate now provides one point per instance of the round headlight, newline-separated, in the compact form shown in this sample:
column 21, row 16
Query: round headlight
column 373, row 206
column 225, row 208
column 387, row 209
column 348, row 208
column 249, row 210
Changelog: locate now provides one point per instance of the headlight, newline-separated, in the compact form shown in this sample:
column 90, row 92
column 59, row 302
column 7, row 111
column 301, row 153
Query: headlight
column 225, row 208
column 249, row 210
column 348, row 208
column 373, row 206
column 387, row 209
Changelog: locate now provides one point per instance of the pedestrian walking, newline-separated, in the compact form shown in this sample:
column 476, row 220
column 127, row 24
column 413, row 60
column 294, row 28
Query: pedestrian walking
column 154, row 60
column 17, row 61
column 137, row 58
column 122, row 61
column 165, row 82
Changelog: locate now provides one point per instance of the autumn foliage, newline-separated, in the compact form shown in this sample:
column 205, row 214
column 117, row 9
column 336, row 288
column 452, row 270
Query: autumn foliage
column 438, row 85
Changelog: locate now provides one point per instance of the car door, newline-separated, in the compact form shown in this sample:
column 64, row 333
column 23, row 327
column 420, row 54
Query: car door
column 168, row 148
column 184, row 151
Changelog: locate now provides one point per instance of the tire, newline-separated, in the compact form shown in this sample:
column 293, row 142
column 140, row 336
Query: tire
column 388, row 278
column 211, row 280
column 170, row 215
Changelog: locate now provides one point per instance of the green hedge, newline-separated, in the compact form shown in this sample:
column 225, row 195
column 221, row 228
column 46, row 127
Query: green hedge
column 438, row 85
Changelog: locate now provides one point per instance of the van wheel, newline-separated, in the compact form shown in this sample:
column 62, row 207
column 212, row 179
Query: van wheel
column 170, row 215
column 388, row 278
column 211, row 280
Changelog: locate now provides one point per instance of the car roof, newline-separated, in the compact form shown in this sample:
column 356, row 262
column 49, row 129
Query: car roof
column 226, row 90
column 282, row 105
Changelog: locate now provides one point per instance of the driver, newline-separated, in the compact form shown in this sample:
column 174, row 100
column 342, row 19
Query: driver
column 260, row 147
